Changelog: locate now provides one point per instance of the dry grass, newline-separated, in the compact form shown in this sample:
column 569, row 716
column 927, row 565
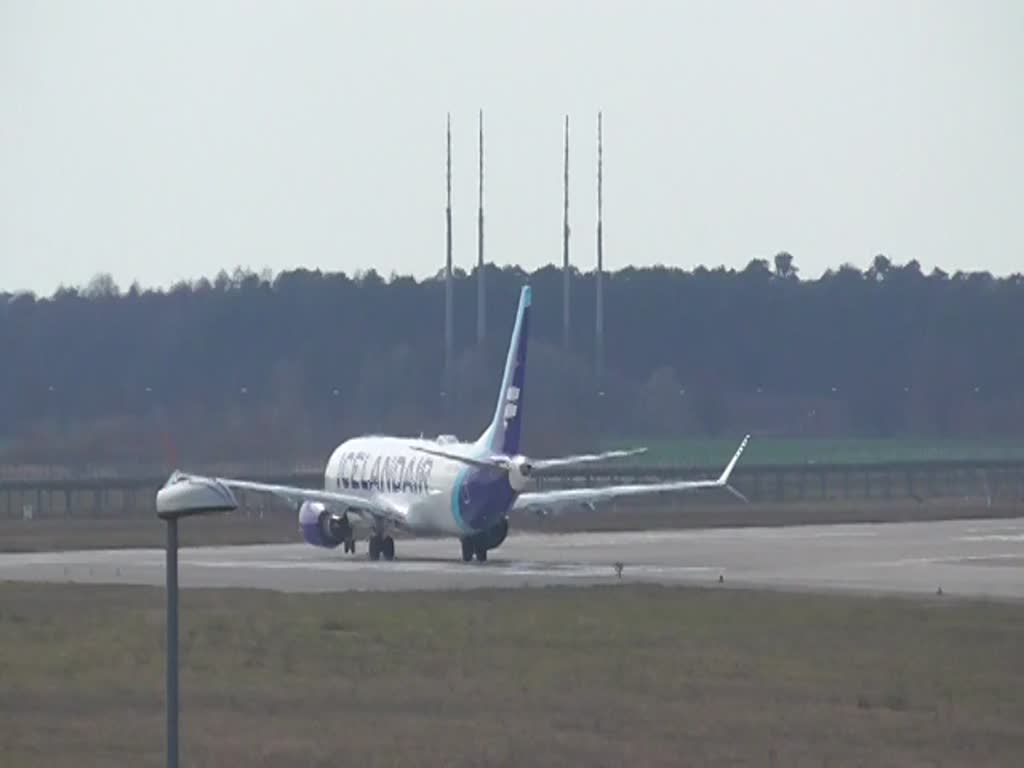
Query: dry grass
column 552, row 677
column 53, row 535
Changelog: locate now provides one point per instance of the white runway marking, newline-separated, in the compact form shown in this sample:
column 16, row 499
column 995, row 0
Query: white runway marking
column 953, row 560
column 995, row 537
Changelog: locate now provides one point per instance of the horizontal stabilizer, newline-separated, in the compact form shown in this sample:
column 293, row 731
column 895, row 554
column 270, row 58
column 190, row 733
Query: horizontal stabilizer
column 478, row 463
column 504, row 462
column 570, row 461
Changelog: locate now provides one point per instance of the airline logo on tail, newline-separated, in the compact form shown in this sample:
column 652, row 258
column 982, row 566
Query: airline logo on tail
column 502, row 434
column 511, row 404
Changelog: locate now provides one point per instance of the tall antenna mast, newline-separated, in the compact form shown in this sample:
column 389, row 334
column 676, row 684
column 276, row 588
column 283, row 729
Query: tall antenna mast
column 599, row 320
column 449, row 341
column 481, row 294
column 565, row 243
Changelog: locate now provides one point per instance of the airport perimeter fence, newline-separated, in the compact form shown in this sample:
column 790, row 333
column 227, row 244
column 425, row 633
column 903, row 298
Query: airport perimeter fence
column 985, row 482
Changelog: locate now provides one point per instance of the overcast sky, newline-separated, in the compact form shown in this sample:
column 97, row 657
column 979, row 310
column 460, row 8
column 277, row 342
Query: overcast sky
column 161, row 141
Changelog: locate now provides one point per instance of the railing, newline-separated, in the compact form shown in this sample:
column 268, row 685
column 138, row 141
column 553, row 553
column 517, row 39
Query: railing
column 117, row 496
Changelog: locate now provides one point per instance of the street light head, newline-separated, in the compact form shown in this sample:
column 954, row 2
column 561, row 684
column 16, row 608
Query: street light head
column 188, row 495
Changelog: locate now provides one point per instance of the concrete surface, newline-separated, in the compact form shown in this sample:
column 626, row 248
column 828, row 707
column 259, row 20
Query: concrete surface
column 963, row 558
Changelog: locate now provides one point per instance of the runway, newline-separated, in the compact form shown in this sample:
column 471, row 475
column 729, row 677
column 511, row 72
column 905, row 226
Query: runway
column 962, row 558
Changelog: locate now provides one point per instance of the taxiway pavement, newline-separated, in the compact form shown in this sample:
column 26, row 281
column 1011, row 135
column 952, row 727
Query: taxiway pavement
column 965, row 558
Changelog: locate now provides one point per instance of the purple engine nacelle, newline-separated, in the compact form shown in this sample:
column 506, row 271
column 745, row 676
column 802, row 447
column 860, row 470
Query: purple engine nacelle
column 322, row 528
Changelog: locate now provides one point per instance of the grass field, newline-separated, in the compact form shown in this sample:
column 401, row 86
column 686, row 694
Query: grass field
column 550, row 677
column 113, row 533
column 795, row 451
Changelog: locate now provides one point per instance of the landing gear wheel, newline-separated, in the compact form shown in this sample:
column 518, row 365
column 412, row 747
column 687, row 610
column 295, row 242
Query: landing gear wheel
column 375, row 546
column 481, row 552
column 467, row 550
column 388, row 548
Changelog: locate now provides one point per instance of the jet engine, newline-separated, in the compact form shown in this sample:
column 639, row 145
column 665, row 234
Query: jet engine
column 321, row 527
column 520, row 470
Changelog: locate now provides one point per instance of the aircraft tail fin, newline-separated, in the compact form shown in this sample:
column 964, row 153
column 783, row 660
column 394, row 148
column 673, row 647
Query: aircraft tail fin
column 502, row 434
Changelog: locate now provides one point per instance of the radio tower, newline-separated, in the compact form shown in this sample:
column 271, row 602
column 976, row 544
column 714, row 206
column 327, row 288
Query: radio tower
column 481, row 295
column 565, row 244
column 449, row 342
column 599, row 320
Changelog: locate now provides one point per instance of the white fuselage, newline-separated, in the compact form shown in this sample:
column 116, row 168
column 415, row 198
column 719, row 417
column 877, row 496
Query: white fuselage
column 390, row 468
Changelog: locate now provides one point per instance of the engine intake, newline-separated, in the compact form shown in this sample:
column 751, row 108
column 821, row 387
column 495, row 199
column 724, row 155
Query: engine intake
column 321, row 527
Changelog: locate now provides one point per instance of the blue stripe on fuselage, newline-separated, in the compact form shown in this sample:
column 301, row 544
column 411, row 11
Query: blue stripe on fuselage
column 456, row 500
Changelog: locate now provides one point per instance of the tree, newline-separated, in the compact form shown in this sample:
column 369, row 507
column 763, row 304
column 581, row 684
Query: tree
column 102, row 286
column 323, row 356
column 881, row 266
column 784, row 267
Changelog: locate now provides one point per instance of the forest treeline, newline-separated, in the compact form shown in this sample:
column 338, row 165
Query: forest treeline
column 259, row 366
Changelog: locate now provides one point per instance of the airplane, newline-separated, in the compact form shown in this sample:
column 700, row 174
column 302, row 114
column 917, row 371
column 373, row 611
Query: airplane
column 380, row 485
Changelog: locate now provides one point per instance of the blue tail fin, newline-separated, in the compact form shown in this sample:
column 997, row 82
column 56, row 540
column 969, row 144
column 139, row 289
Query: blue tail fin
column 502, row 435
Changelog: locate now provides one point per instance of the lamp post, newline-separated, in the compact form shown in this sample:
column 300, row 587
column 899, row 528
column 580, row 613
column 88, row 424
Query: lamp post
column 182, row 496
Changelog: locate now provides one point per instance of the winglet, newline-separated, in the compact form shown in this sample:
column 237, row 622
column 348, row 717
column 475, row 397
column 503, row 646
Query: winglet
column 736, row 493
column 724, row 479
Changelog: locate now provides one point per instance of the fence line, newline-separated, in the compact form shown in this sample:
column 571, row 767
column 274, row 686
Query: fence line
column 113, row 497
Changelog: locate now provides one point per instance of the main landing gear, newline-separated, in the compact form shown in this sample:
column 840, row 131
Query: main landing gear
column 474, row 546
column 478, row 544
column 380, row 546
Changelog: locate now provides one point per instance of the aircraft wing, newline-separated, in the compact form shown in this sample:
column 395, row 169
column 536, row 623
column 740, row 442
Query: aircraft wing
column 374, row 507
column 590, row 496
